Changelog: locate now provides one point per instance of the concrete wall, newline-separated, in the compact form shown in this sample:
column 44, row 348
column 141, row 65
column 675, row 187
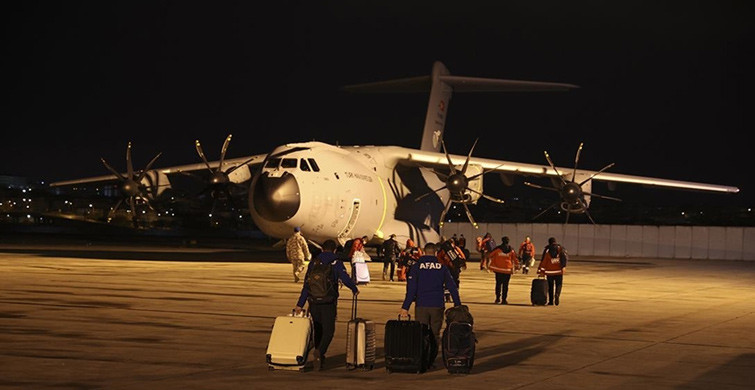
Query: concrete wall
column 673, row 242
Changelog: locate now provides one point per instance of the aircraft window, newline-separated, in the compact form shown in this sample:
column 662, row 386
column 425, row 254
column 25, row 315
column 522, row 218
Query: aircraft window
column 272, row 163
column 304, row 166
column 314, row 165
column 288, row 163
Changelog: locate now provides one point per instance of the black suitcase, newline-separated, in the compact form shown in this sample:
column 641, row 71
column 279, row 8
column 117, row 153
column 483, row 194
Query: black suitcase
column 539, row 291
column 458, row 347
column 406, row 346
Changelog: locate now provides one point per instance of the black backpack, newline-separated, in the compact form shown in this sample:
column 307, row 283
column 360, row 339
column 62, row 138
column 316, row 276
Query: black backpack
column 321, row 283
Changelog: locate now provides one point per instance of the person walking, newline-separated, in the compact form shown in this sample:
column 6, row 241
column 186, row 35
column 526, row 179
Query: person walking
column 426, row 282
column 527, row 254
column 553, row 266
column 323, row 302
column 297, row 252
column 391, row 252
column 453, row 258
column 487, row 246
column 503, row 262
column 407, row 259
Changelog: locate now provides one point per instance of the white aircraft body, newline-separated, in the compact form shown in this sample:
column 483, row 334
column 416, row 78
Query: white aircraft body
column 340, row 192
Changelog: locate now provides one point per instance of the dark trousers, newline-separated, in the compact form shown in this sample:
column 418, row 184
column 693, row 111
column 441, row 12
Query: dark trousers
column 324, row 319
column 502, row 285
column 389, row 262
column 558, row 280
column 433, row 317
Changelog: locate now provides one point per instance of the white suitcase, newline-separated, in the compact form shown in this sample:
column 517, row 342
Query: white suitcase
column 291, row 340
column 362, row 272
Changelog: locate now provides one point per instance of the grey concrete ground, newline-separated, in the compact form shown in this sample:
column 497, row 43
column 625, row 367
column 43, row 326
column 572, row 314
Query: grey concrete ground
column 91, row 317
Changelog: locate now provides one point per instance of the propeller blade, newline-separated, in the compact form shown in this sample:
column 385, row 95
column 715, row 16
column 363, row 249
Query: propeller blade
column 469, row 215
column 450, row 164
column 223, row 150
column 488, row 197
column 129, row 165
column 547, row 157
column 445, row 211
column 112, row 170
column 148, row 167
column 231, row 169
column 587, row 212
column 596, row 174
column 442, row 175
column 484, row 172
column 541, row 187
column 201, row 154
column 546, row 210
column 601, row 196
column 576, row 161
column 113, row 210
column 428, row 193
column 469, row 156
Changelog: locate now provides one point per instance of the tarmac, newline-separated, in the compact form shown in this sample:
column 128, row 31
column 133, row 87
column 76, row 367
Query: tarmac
column 99, row 316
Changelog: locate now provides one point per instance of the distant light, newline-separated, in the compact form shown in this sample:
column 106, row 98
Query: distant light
column 90, row 205
column 682, row 212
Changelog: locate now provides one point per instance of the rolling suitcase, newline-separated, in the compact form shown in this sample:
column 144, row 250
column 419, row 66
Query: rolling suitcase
column 458, row 347
column 360, row 341
column 539, row 291
column 290, row 342
column 407, row 346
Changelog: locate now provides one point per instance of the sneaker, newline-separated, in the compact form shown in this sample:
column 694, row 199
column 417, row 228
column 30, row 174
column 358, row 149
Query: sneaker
column 383, row 275
column 497, row 300
column 322, row 363
column 550, row 303
column 504, row 302
column 556, row 301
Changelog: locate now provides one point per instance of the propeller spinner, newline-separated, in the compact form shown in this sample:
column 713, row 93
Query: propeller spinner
column 457, row 184
column 572, row 194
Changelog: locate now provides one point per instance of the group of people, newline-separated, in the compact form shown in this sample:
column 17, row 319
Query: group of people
column 432, row 276
column 504, row 261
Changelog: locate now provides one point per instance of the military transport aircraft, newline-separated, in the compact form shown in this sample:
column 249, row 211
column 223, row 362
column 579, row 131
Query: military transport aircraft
column 351, row 191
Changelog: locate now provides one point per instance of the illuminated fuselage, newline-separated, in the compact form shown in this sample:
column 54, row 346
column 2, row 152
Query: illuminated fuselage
column 335, row 193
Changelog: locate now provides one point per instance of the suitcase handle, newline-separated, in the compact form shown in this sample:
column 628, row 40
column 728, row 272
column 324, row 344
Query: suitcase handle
column 354, row 306
column 408, row 316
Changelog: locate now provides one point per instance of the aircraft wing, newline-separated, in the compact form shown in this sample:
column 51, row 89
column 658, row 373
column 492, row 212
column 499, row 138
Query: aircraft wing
column 439, row 160
column 157, row 172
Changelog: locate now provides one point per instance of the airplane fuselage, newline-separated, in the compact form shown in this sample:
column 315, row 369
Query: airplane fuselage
column 338, row 193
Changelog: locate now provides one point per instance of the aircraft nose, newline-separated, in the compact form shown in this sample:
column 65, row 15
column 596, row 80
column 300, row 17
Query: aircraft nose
column 276, row 199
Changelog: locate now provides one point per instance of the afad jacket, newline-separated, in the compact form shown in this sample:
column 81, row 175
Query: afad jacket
column 503, row 262
column 551, row 265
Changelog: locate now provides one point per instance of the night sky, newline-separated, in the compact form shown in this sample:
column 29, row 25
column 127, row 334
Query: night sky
column 666, row 87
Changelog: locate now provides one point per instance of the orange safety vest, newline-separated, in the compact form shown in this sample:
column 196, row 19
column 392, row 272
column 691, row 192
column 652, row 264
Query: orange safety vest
column 551, row 265
column 503, row 263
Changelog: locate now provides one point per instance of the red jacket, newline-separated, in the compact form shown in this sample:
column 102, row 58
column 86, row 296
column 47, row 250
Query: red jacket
column 503, row 263
column 550, row 265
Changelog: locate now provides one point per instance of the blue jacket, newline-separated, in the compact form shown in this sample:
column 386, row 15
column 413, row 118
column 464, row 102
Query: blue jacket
column 426, row 283
column 339, row 272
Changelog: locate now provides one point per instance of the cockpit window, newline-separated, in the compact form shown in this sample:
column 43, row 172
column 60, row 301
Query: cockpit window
column 303, row 165
column 288, row 163
column 314, row 165
column 272, row 163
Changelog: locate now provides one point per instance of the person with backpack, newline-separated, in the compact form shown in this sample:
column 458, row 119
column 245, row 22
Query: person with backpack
column 320, row 290
column 503, row 262
column 453, row 258
column 390, row 252
column 553, row 266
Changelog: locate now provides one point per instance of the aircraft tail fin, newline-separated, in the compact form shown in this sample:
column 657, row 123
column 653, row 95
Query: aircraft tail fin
column 442, row 85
